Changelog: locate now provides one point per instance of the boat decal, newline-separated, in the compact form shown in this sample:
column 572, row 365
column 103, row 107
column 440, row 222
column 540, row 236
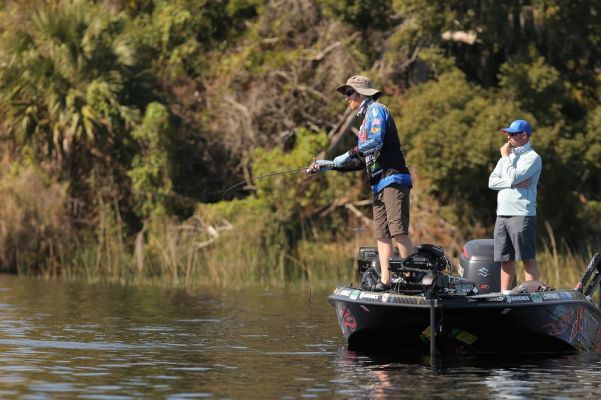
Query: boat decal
column 551, row 296
column 407, row 300
column 496, row 299
column 347, row 322
column 483, row 272
column 354, row 294
column 521, row 298
column 536, row 297
column 568, row 295
column 369, row 296
column 597, row 339
column 589, row 330
column 385, row 298
column 559, row 320
column 578, row 321
column 464, row 336
column 425, row 335
column 345, row 292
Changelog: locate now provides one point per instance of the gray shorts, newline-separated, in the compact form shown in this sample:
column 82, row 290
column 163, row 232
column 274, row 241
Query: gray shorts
column 391, row 211
column 515, row 238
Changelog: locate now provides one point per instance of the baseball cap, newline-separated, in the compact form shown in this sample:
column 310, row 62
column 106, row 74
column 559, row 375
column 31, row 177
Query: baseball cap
column 519, row 125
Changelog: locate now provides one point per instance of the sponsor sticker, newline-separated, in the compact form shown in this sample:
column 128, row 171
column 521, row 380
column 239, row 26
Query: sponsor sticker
column 466, row 337
column 550, row 295
column 536, row 298
column 385, row 297
column 354, row 294
column 369, row 296
column 345, row 292
column 518, row 298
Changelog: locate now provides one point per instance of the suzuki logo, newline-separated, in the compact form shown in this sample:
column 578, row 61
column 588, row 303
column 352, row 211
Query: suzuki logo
column 483, row 272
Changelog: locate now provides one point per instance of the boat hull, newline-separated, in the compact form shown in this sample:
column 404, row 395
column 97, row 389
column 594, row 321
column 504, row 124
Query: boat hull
column 554, row 321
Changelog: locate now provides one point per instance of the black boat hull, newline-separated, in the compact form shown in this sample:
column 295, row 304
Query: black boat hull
column 554, row 321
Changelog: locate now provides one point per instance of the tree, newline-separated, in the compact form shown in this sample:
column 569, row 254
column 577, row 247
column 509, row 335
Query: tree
column 71, row 91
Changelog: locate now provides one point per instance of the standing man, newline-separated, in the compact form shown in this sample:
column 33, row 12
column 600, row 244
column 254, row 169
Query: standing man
column 379, row 151
column 516, row 178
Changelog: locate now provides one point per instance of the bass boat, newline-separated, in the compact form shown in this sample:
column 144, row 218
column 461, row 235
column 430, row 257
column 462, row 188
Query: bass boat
column 430, row 309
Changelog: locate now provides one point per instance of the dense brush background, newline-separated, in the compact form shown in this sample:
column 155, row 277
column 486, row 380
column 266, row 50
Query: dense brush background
column 123, row 122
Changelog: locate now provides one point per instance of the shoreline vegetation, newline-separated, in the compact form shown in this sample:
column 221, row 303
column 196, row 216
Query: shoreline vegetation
column 123, row 122
column 208, row 250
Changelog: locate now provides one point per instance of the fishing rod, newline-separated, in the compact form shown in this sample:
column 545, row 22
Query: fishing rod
column 261, row 177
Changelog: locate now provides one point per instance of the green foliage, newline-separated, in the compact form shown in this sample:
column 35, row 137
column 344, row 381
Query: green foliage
column 535, row 87
column 273, row 222
column 229, row 87
column 178, row 33
column 151, row 185
column 60, row 65
column 591, row 145
column 450, row 130
column 374, row 14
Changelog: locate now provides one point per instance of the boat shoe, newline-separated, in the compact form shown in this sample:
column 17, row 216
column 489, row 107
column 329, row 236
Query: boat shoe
column 381, row 287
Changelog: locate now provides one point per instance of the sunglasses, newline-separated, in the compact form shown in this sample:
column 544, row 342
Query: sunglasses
column 514, row 133
column 349, row 93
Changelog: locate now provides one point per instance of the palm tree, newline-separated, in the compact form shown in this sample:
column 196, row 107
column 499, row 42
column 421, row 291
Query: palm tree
column 65, row 80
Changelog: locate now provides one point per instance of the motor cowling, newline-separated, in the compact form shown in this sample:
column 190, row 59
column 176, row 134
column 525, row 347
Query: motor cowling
column 477, row 265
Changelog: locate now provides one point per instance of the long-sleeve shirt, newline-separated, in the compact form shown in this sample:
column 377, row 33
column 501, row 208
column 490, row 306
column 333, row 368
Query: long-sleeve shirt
column 378, row 144
column 522, row 163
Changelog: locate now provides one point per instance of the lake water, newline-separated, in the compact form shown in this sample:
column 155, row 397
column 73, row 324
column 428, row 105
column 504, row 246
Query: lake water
column 81, row 341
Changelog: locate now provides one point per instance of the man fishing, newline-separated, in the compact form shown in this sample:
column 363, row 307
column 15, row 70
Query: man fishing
column 378, row 151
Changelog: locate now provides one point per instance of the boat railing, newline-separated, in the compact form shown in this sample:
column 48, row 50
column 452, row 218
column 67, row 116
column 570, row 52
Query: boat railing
column 591, row 278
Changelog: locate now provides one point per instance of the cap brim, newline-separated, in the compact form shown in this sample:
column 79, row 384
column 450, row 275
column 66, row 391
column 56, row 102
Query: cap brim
column 364, row 91
column 343, row 88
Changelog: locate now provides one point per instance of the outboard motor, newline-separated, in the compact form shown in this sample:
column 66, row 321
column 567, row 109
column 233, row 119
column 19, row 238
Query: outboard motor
column 477, row 265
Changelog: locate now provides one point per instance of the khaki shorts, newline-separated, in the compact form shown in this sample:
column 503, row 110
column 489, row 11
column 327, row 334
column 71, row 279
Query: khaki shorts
column 391, row 211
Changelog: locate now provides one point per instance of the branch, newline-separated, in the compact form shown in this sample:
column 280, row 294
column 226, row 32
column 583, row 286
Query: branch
column 366, row 221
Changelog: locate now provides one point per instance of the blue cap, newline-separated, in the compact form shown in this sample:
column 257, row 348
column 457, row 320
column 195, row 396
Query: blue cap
column 519, row 125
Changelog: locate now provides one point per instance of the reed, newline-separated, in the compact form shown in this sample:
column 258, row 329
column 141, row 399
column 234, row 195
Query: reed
column 559, row 266
column 203, row 250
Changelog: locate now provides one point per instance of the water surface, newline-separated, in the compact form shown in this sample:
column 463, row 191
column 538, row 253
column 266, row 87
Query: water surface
column 83, row 341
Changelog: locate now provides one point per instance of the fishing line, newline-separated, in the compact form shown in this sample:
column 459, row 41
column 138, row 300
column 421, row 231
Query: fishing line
column 261, row 177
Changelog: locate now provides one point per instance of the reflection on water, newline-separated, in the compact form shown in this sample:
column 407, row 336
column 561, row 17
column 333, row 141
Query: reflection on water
column 61, row 340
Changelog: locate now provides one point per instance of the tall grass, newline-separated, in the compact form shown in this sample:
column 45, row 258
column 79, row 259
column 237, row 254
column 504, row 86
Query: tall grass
column 36, row 239
column 559, row 266
column 184, row 254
